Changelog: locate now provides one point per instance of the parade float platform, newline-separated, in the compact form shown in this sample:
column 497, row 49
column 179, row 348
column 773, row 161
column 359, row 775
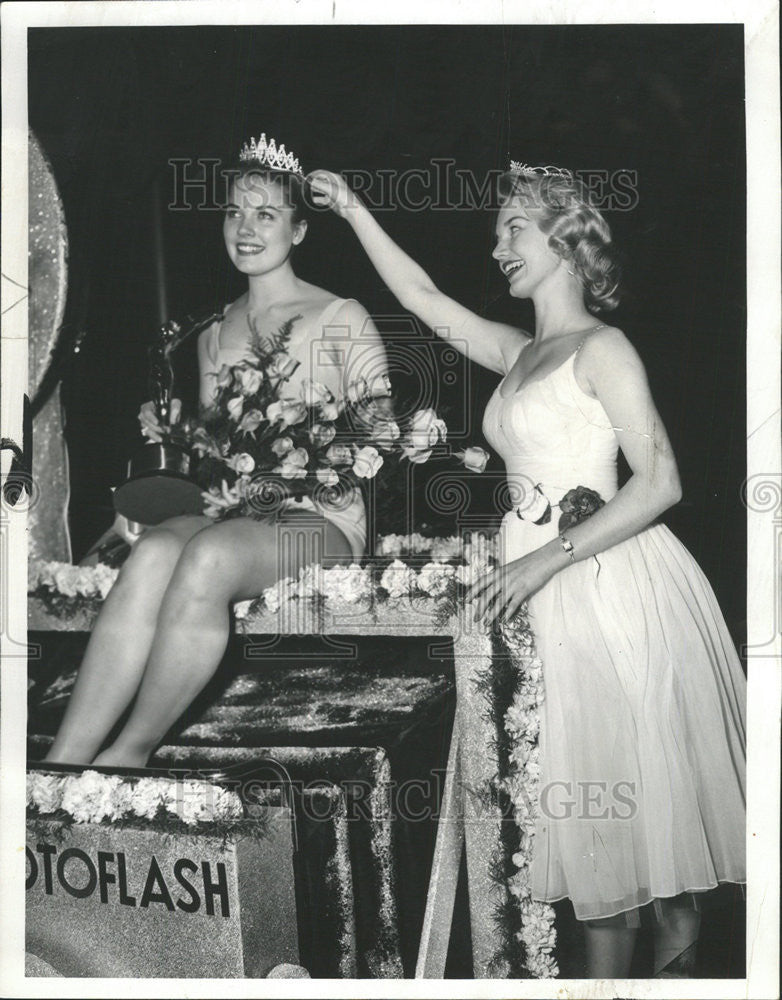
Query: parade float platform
column 359, row 713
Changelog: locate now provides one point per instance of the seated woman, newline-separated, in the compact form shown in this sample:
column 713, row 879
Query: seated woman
column 164, row 627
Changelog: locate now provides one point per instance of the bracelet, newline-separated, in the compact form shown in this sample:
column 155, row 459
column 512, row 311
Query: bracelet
column 567, row 545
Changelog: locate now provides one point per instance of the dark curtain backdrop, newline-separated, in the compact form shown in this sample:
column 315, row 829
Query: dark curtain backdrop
column 112, row 107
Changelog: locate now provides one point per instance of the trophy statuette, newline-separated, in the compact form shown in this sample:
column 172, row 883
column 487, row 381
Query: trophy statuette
column 159, row 484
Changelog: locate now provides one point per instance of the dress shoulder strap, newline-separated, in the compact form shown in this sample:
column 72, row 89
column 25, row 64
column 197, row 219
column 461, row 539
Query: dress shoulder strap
column 330, row 312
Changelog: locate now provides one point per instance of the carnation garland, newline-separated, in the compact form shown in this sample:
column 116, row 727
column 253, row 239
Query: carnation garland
column 92, row 797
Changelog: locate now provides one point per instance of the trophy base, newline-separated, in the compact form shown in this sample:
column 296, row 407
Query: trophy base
column 154, row 497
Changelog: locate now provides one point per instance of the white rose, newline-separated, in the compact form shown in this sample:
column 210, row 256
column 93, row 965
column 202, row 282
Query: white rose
column 250, row 379
column 398, row 579
column 327, row 476
column 234, row 407
column 385, row 432
column 314, row 393
column 380, row 385
column 322, row 434
column 474, row 459
column 329, row 411
column 366, row 462
column 283, row 365
column 282, row 446
column 292, row 412
column 339, row 454
column 294, row 464
column 251, row 421
column 242, row 609
column 426, row 429
column 241, row 463
column 415, row 455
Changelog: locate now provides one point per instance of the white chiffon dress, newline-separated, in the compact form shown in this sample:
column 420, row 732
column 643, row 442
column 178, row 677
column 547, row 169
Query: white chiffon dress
column 642, row 742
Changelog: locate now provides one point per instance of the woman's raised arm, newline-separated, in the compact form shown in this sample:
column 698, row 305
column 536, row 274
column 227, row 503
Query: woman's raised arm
column 492, row 345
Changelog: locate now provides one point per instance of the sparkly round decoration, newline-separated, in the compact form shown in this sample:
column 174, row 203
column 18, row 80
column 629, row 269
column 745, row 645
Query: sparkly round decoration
column 48, row 258
column 47, row 520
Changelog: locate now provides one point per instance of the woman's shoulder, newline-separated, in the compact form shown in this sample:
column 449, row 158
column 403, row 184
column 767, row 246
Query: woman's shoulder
column 319, row 300
column 607, row 343
column 608, row 354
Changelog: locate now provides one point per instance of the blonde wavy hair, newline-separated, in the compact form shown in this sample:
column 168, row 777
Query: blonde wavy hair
column 576, row 231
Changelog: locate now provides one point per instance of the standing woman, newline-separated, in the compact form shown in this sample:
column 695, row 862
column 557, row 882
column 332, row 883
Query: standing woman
column 164, row 627
column 642, row 742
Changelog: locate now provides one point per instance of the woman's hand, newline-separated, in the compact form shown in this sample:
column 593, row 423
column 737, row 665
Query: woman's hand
column 150, row 425
column 330, row 191
column 505, row 588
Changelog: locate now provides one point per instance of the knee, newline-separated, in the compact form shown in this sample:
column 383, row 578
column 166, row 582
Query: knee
column 155, row 552
column 204, row 567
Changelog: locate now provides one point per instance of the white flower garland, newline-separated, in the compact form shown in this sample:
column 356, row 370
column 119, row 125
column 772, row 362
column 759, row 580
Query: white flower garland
column 522, row 723
column 71, row 581
column 91, row 797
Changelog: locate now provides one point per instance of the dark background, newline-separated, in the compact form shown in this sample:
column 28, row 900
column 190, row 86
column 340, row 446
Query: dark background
column 112, row 106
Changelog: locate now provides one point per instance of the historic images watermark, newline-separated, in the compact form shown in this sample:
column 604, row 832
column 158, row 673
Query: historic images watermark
column 203, row 184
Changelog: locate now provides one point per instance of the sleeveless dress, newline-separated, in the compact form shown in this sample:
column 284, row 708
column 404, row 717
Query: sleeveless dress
column 642, row 738
column 319, row 365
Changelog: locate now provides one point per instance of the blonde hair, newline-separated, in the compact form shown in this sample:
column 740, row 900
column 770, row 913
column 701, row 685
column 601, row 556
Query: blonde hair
column 576, row 231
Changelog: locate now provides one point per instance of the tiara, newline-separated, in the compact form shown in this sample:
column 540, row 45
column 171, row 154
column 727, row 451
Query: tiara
column 270, row 155
column 527, row 171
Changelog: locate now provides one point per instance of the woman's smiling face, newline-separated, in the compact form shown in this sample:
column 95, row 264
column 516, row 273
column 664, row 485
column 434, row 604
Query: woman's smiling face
column 259, row 227
column 522, row 249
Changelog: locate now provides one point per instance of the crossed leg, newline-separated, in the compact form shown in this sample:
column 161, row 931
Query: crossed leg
column 227, row 562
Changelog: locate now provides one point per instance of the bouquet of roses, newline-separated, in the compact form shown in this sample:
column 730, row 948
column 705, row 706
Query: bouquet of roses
column 256, row 449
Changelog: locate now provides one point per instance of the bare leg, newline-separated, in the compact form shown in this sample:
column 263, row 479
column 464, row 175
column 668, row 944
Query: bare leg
column 610, row 944
column 120, row 642
column 230, row 562
column 676, row 939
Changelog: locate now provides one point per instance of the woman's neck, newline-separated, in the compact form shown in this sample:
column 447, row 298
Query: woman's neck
column 274, row 288
column 560, row 312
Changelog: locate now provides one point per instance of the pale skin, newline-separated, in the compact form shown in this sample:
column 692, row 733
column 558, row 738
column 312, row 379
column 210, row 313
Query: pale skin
column 607, row 368
column 164, row 627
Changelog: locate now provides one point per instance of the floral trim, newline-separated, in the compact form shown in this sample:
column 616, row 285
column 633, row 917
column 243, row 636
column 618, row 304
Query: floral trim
column 522, row 725
column 92, row 797
column 65, row 589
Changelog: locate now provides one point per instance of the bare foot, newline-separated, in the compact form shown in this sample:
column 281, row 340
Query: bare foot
column 114, row 756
